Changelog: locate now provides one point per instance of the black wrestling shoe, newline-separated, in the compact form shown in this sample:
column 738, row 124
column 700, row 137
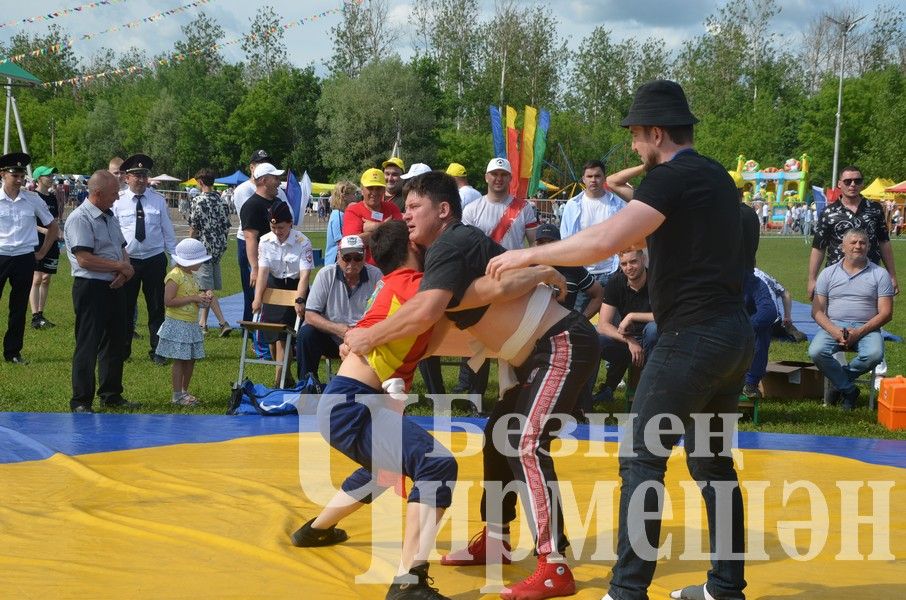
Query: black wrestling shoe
column 309, row 537
column 17, row 360
column 403, row 588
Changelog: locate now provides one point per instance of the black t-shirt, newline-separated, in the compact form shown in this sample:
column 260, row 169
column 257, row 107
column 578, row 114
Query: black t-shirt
column 578, row 279
column 696, row 266
column 254, row 214
column 457, row 258
column 751, row 230
column 51, row 201
column 618, row 294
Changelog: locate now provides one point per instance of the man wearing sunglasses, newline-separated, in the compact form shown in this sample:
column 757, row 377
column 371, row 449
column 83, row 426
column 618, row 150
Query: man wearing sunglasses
column 336, row 301
column 851, row 211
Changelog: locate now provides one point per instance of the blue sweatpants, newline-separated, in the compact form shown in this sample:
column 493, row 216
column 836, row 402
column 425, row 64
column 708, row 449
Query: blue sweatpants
column 381, row 439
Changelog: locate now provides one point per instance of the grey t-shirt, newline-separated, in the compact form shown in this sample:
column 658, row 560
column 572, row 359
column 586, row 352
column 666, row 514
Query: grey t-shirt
column 330, row 297
column 853, row 297
column 89, row 228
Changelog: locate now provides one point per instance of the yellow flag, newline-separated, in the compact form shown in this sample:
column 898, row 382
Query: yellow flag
column 528, row 142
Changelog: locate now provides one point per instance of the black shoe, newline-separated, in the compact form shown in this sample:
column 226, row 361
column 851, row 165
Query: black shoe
column 751, row 391
column 403, row 587
column 45, row 324
column 157, row 359
column 309, row 537
column 604, row 395
column 119, row 404
column 81, row 408
column 850, row 398
column 17, row 360
column 35, row 323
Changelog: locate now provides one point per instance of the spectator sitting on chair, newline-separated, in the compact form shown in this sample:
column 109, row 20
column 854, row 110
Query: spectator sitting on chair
column 335, row 303
column 853, row 300
column 284, row 263
column 783, row 302
column 632, row 341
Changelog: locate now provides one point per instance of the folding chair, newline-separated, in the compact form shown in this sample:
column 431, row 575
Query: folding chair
column 829, row 391
column 276, row 298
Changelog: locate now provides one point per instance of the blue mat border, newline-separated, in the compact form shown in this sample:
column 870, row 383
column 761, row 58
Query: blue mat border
column 37, row 436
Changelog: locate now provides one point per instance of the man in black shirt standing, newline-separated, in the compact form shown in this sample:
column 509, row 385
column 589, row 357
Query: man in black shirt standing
column 688, row 208
column 851, row 211
column 254, row 213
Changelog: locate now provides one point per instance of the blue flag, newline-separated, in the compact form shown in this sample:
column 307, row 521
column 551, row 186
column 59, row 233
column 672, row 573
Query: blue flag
column 820, row 200
column 497, row 133
column 294, row 195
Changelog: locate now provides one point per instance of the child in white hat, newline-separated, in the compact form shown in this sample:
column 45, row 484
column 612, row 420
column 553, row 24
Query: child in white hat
column 180, row 337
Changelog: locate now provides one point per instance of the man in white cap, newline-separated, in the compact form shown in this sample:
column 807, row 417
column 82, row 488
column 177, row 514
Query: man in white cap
column 254, row 214
column 509, row 222
column 336, row 301
column 243, row 192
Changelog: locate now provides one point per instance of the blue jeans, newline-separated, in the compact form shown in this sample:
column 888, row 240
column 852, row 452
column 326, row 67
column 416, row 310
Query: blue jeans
column 759, row 364
column 696, row 370
column 870, row 353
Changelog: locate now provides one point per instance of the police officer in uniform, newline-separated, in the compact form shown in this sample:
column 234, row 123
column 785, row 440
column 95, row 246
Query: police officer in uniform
column 145, row 221
column 18, row 240
column 100, row 265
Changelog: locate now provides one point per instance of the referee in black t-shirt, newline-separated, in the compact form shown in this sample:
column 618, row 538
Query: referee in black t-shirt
column 688, row 209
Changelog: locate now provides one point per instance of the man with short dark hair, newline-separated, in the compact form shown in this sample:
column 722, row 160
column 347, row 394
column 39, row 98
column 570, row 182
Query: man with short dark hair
column 595, row 204
column 851, row 211
column 144, row 217
column 18, row 242
column 704, row 345
column 209, row 221
column 632, row 340
column 853, row 300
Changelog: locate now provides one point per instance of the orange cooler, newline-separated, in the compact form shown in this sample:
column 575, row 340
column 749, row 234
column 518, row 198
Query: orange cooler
column 892, row 403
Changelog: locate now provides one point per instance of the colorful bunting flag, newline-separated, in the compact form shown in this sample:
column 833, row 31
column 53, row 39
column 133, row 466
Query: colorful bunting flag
column 60, row 13
column 512, row 148
column 544, row 122
column 497, row 133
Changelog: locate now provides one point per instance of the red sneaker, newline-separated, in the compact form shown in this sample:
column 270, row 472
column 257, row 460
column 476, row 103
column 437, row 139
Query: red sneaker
column 549, row 580
column 477, row 552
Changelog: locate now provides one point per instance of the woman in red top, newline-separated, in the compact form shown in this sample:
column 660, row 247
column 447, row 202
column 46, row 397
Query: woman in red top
column 361, row 218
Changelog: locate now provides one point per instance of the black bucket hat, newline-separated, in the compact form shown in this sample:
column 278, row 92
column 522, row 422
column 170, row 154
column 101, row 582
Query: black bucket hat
column 660, row 103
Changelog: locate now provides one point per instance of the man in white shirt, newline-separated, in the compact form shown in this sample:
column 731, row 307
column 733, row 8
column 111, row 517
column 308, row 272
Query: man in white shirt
column 243, row 192
column 509, row 222
column 18, row 243
column 594, row 205
column 144, row 218
column 467, row 194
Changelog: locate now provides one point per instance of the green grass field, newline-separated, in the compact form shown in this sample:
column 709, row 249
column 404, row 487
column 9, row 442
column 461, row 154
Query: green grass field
column 44, row 385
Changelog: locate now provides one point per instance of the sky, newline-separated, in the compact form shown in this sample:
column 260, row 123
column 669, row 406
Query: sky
column 671, row 20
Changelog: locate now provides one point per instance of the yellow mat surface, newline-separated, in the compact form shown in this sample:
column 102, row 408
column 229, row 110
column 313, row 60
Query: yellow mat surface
column 212, row 521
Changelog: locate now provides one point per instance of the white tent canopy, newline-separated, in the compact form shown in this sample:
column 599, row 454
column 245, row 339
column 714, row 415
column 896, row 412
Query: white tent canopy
column 163, row 177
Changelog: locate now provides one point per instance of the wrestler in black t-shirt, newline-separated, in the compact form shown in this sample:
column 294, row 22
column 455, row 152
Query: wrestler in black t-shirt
column 457, row 258
column 691, row 279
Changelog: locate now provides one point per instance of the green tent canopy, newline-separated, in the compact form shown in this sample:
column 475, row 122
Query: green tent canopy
column 17, row 74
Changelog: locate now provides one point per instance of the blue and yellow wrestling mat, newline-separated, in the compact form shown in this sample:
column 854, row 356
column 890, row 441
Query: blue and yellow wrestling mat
column 175, row 506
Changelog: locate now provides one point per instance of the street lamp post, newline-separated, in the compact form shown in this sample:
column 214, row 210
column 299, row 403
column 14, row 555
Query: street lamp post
column 846, row 26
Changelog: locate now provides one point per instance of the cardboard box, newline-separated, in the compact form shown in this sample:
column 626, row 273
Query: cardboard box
column 792, row 379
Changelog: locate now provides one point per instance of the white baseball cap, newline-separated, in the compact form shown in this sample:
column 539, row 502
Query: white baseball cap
column 416, row 170
column 266, row 169
column 499, row 164
column 351, row 243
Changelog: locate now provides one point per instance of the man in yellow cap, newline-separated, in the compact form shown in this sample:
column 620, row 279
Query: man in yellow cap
column 467, row 193
column 362, row 218
column 393, row 172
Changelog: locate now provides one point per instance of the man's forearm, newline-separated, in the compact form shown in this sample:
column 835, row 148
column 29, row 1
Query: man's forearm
column 814, row 263
column 321, row 323
column 412, row 319
column 887, row 257
column 251, row 248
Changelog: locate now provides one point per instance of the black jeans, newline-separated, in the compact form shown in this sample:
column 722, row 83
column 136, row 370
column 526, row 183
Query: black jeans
column 311, row 345
column 149, row 276
column 100, row 336
column 18, row 270
column 698, row 370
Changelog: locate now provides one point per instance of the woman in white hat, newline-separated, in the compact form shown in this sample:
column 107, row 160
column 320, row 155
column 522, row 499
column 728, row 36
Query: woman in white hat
column 180, row 337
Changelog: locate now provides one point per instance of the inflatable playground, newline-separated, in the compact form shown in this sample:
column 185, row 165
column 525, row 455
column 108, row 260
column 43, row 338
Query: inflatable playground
column 779, row 187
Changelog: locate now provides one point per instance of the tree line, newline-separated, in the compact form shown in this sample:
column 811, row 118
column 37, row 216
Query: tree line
column 756, row 94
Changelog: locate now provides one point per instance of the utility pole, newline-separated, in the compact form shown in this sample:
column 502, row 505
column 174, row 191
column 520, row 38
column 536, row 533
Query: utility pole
column 846, row 26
